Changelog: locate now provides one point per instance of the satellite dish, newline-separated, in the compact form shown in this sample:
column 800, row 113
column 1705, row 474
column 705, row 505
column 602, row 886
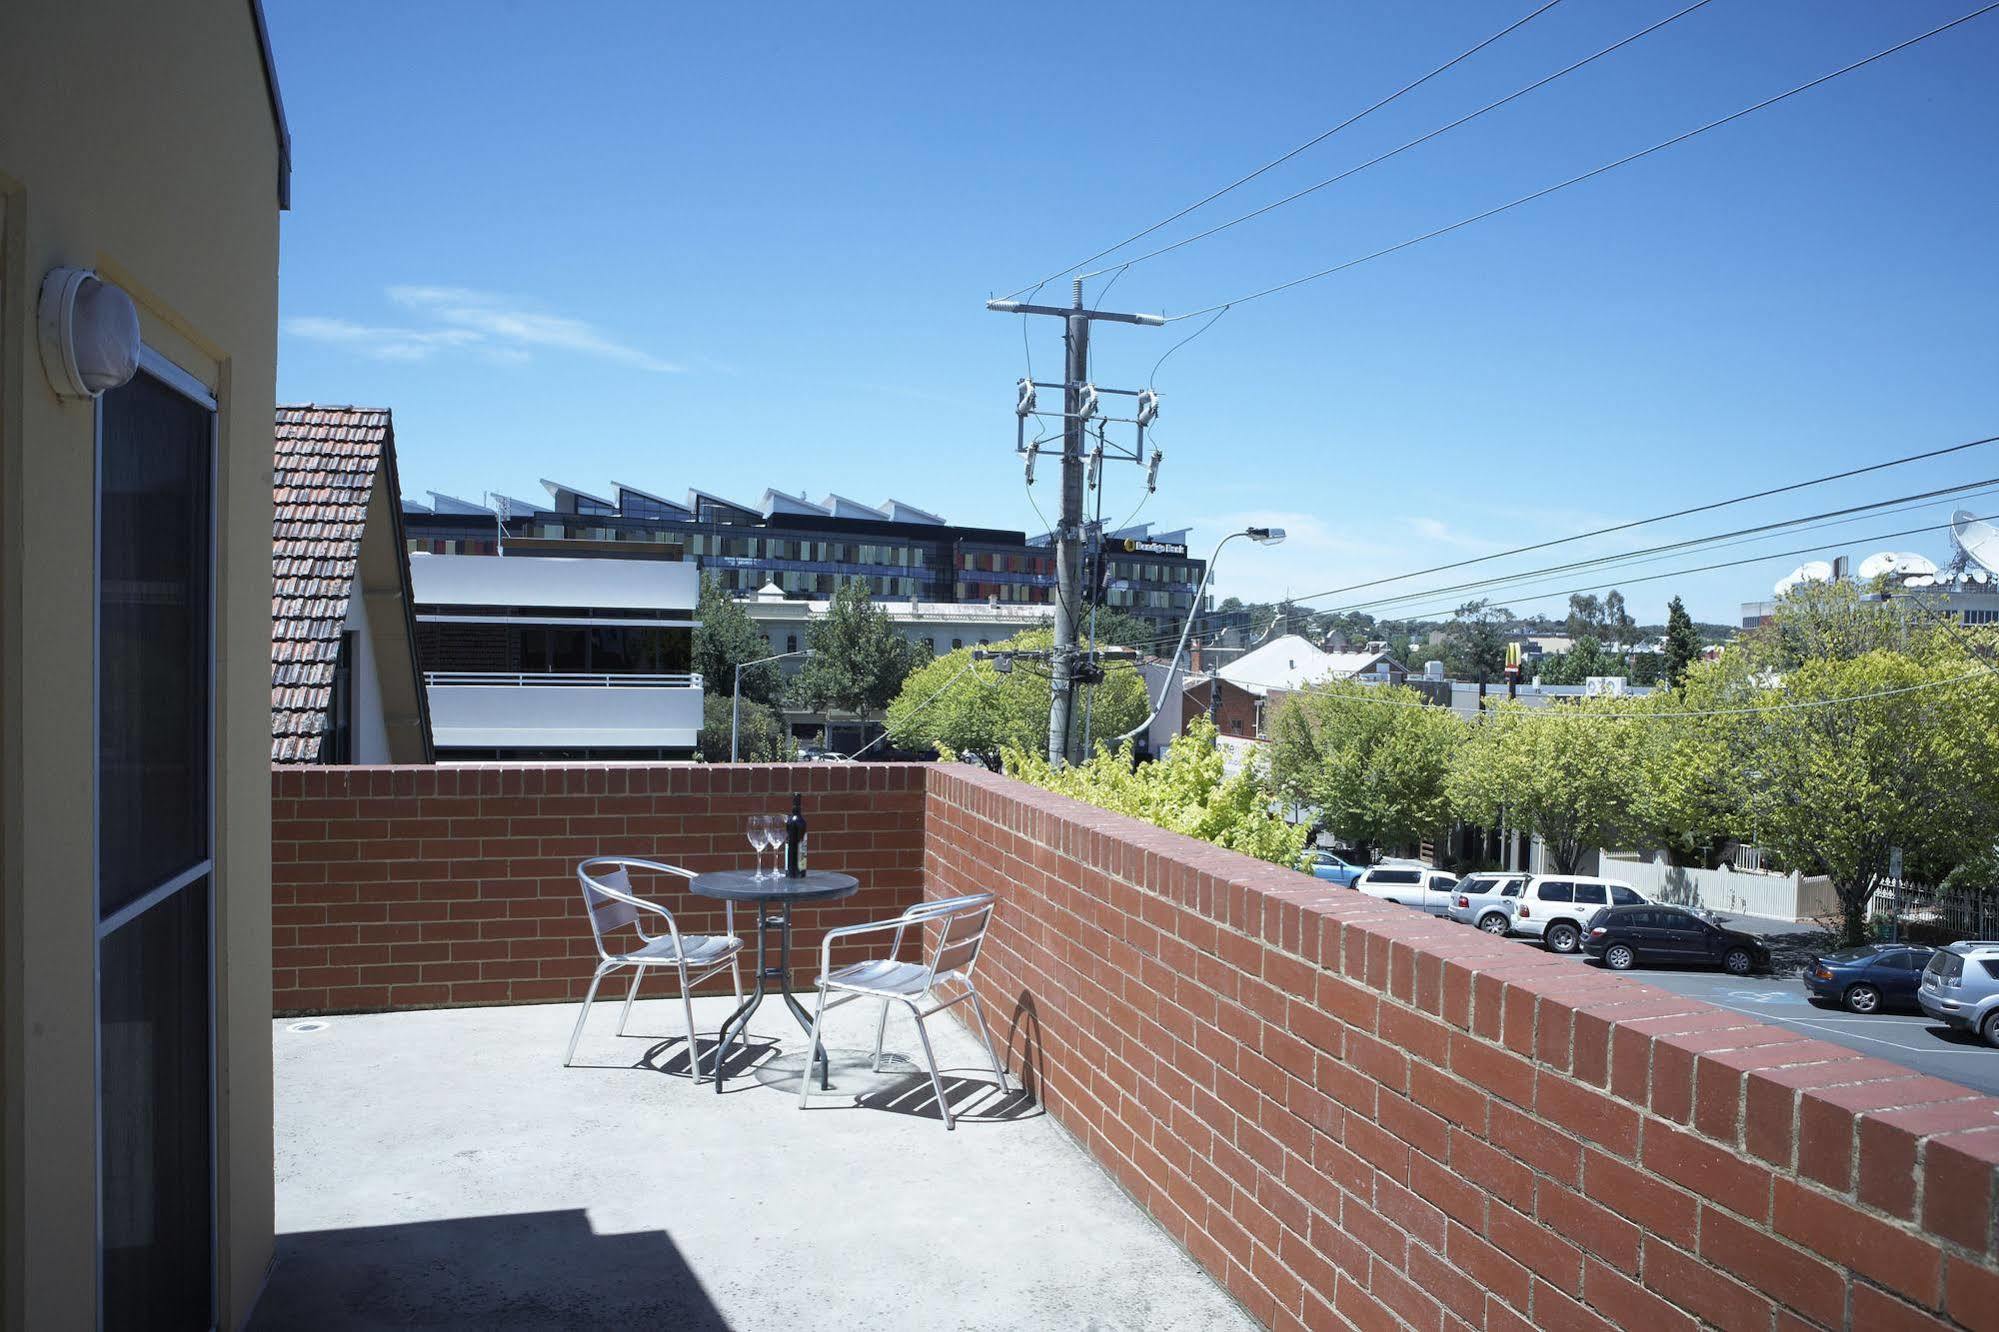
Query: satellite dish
column 1919, row 580
column 1816, row 571
column 1975, row 539
column 1893, row 562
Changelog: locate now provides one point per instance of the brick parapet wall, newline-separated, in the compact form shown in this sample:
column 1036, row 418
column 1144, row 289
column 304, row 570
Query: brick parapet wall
column 1352, row 1114
column 416, row 887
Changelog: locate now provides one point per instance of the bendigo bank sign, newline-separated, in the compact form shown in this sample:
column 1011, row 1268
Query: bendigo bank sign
column 1138, row 546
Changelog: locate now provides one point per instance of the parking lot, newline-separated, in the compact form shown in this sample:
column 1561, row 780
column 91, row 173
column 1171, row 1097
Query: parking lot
column 1907, row 1038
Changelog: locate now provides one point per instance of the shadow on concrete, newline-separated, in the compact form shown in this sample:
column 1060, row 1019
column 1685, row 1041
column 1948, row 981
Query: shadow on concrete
column 670, row 1056
column 529, row 1270
column 973, row 1100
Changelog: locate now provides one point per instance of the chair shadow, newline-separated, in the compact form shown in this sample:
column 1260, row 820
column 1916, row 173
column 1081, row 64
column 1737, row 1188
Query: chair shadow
column 669, row 1056
column 1025, row 1028
column 972, row 1100
column 527, row 1270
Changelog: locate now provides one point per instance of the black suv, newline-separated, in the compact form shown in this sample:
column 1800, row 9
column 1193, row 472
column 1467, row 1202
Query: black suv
column 1624, row 936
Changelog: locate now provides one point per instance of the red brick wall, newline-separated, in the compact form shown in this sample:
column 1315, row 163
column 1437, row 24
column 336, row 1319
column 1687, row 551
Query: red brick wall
column 1351, row 1113
column 425, row 886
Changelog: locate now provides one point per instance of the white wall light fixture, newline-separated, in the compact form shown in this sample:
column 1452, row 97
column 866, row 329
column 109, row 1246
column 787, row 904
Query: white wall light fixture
column 89, row 331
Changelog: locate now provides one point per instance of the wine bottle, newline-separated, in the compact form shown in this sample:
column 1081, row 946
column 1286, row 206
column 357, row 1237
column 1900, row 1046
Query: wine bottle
column 794, row 841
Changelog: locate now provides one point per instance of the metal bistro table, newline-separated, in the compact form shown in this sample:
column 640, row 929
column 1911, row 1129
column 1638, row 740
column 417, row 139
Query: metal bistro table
column 774, row 897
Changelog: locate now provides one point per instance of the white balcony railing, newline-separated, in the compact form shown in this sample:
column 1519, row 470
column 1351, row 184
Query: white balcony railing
column 530, row 679
column 506, row 710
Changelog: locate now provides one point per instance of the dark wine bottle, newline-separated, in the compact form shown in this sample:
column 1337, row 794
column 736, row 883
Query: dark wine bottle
column 794, row 841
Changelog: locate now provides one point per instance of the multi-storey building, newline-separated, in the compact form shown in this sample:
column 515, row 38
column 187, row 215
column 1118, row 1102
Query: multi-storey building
column 809, row 549
column 538, row 656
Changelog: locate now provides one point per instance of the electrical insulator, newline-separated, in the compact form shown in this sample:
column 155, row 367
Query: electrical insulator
column 1096, row 465
column 1152, row 471
column 1024, row 399
column 1032, row 454
column 1148, row 407
column 1086, row 402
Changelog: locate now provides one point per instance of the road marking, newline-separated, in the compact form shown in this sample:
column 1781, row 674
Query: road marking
column 1936, row 1048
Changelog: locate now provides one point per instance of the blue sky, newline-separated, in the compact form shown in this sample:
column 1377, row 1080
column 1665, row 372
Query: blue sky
column 745, row 246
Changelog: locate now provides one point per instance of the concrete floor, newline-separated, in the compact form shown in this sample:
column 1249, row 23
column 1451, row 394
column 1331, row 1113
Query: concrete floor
column 442, row 1169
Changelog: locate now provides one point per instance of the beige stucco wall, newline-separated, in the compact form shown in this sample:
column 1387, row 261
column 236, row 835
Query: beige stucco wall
column 136, row 139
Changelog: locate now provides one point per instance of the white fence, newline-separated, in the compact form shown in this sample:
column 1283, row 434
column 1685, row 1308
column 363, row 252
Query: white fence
column 1792, row 897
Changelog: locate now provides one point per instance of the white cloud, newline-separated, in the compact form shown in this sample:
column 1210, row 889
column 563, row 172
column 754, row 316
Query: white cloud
column 494, row 318
column 498, row 330
column 381, row 343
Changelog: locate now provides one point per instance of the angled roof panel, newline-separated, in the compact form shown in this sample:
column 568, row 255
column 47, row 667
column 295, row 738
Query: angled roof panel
column 557, row 490
column 699, row 501
column 659, row 501
column 909, row 513
column 442, row 503
column 842, row 507
column 777, row 501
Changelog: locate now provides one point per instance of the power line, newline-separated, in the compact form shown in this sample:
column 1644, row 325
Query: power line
column 1709, row 568
column 1413, row 143
column 1657, row 518
column 1279, row 161
column 1652, row 554
column 1763, row 530
column 1587, row 175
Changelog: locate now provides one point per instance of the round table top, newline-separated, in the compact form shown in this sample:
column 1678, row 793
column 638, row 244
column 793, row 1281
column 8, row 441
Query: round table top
column 744, row 886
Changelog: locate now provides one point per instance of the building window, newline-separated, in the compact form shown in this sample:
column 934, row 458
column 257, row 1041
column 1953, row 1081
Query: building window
column 337, row 745
column 957, row 643
column 791, row 642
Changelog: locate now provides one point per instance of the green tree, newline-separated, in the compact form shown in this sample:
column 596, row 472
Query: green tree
column 725, row 638
column 1692, row 755
column 859, row 658
column 1683, row 642
column 1585, row 615
column 1373, row 760
column 1188, row 791
column 1475, row 641
column 1117, row 629
column 1618, row 626
column 1829, row 622
column 1586, row 657
column 1647, row 668
column 1856, row 757
column 957, row 707
column 761, row 736
column 1568, row 772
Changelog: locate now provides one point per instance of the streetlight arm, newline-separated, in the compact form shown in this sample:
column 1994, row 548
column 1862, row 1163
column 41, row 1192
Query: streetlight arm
column 736, row 695
column 1173, row 667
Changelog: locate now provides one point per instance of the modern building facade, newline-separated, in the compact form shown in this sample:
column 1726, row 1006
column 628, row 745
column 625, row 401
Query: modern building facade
column 544, row 656
column 143, row 164
column 810, row 548
column 344, row 681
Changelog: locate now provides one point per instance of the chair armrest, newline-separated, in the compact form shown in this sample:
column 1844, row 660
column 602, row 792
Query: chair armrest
column 898, row 924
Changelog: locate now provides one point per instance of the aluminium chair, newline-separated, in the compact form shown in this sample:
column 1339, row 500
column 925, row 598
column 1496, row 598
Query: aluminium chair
column 953, row 929
column 611, row 904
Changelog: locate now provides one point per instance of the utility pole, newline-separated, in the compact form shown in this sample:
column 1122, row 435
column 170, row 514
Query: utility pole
column 1079, row 406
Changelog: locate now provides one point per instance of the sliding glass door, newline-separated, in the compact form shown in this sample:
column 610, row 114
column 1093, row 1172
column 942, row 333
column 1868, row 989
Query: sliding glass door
column 155, row 856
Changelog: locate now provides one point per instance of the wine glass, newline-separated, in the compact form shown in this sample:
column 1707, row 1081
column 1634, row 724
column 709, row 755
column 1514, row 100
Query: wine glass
column 755, row 830
column 773, row 836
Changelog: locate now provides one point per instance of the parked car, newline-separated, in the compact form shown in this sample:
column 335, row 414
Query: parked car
column 1624, row 936
column 1487, row 901
column 1418, row 886
column 1868, row 978
column 1961, row 987
column 1556, row 908
column 1331, row 867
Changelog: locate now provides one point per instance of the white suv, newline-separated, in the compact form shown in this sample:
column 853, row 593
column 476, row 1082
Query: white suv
column 1409, row 884
column 1556, row 908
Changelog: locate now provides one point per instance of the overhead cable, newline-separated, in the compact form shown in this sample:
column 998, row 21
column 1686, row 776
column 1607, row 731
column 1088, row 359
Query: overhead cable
column 1590, row 174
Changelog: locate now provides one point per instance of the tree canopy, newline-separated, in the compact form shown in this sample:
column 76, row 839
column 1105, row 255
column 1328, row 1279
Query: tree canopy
column 945, row 706
column 859, row 658
column 1475, row 641
column 1373, row 760
column 1566, row 771
column 761, row 737
column 725, row 638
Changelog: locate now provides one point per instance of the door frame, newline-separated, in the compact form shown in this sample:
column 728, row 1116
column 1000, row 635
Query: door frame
column 156, row 364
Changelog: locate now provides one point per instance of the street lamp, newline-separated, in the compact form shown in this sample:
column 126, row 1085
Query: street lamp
column 1262, row 536
column 736, row 695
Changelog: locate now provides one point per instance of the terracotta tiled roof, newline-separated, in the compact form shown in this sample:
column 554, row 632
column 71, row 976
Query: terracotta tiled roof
column 325, row 463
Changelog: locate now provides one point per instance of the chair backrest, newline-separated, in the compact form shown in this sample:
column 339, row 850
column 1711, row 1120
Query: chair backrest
column 607, row 913
column 958, row 929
